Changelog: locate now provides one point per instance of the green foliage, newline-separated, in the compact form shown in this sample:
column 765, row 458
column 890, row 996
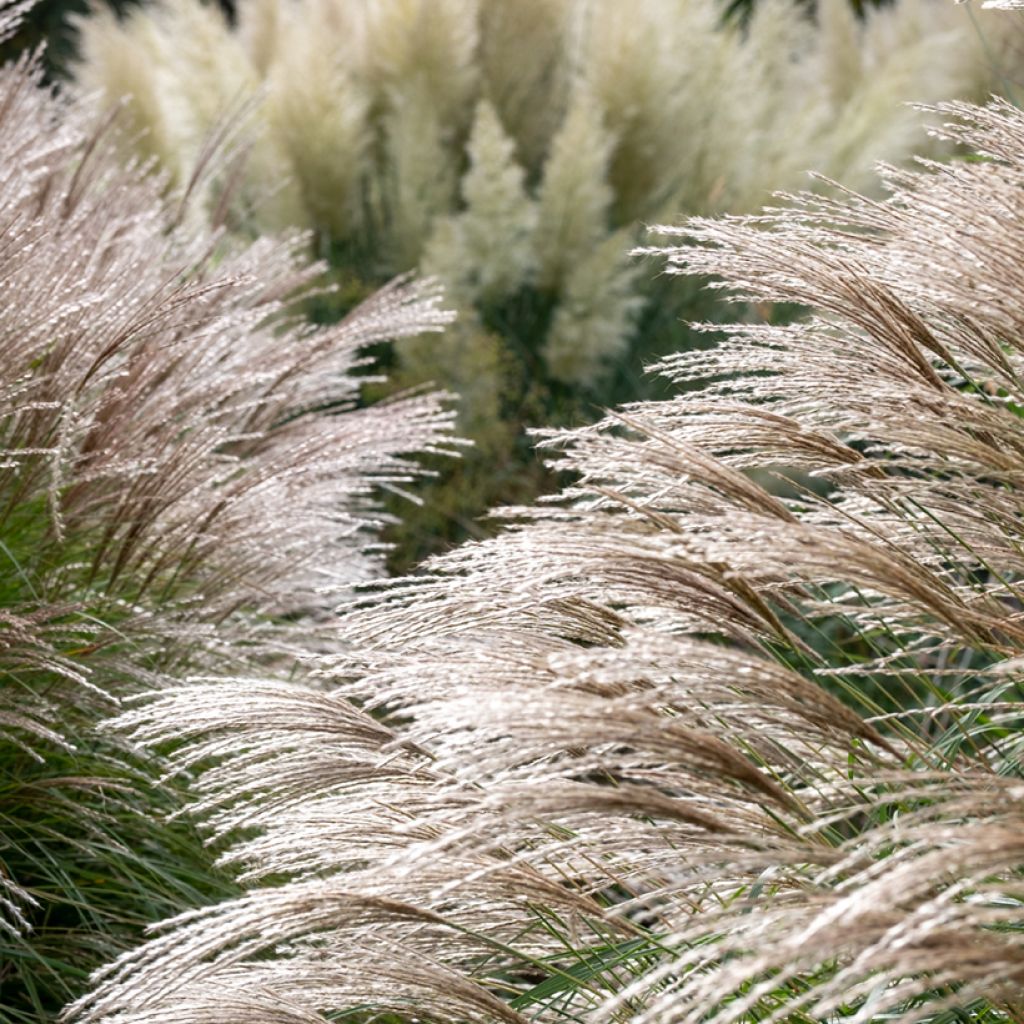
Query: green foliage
column 82, row 829
column 85, row 835
column 48, row 24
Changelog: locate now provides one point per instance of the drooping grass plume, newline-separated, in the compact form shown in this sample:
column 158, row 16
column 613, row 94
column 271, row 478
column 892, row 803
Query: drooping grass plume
column 184, row 467
column 673, row 747
column 516, row 149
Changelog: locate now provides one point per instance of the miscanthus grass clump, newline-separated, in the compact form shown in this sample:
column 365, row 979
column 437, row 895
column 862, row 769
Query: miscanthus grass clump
column 183, row 468
column 515, row 147
column 672, row 747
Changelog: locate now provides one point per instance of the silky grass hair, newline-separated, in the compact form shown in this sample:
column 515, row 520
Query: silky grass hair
column 185, row 466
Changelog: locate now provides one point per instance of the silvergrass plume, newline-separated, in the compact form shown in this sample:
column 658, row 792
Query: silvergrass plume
column 184, row 471
column 672, row 747
column 597, row 768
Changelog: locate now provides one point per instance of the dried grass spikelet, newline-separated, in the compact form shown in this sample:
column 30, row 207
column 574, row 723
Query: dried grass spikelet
column 899, row 48
column 154, row 408
column 11, row 14
column 122, row 61
column 599, row 766
column 840, row 35
column 577, row 258
column 365, row 128
column 260, row 24
column 630, row 64
column 781, row 54
column 211, row 80
column 214, row 71
column 184, row 78
column 419, row 182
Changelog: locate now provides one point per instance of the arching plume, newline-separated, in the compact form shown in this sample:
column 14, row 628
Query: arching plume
column 677, row 746
column 185, row 466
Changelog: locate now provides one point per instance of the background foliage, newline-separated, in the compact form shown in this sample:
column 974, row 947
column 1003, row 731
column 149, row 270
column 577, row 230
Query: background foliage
column 515, row 150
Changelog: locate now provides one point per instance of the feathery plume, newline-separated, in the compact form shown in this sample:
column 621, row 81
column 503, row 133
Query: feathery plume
column 370, row 148
column 675, row 747
column 379, row 117
column 575, row 199
column 462, row 251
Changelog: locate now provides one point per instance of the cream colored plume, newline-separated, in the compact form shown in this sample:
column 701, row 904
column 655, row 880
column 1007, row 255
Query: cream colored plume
column 612, row 115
